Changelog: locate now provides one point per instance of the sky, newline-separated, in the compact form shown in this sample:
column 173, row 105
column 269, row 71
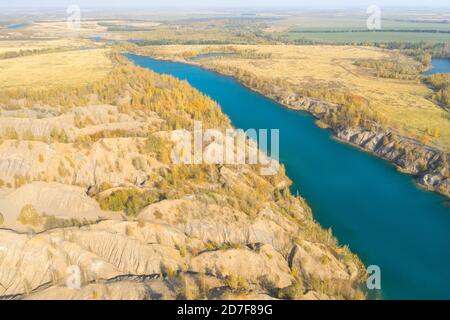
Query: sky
column 215, row 3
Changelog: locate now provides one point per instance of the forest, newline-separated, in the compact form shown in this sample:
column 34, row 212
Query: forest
column 441, row 83
column 392, row 69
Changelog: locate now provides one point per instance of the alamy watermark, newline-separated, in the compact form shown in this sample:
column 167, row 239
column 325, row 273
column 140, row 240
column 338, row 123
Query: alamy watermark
column 373, row 281
column 231, row 147
column 373, row 22
column 73, row 280
column 73, row 21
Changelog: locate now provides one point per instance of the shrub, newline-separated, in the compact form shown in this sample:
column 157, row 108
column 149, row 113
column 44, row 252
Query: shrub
column 28, row 135
column 211, row 246
column 52, row 222
column 236, row 282
column 139, row 163
column 10, row 133
column 203, row 285
column 59, row 135
column 62, row 171
column 129, row 230
column 20, row 181
column 129, row 200
column 294, row 292
column 183, row 252
column 335, row 287
column 169, row 271
column 188, row 289
column 29, row 215
column 84, row 141
column 153, row 144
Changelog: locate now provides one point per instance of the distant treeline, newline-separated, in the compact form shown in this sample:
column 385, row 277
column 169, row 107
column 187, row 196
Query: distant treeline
column 162, row 42
column 30, row 52
column 111, row 27
column 436, row 50
column 420, row 51
column 367, row 30
column 238, row 52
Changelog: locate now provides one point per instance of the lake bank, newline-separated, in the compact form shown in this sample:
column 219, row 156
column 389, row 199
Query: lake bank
column 400, row 228
column 438, row 65
column 428, row 164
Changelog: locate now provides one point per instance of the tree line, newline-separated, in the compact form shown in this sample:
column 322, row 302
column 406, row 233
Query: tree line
column 441, row 84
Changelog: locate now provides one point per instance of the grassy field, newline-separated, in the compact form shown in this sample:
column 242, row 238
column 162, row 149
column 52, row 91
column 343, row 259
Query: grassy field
column 16, row 46
column 404, row 103
column 54, row 69
column 345, row 23
column 348, row 27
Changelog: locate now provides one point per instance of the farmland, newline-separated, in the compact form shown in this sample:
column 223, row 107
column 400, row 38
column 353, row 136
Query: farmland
column 371, row 36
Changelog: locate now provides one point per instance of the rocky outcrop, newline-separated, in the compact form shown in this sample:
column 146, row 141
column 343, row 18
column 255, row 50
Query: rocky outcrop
column 429, row 165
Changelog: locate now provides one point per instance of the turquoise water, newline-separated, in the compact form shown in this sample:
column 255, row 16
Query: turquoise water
column 377, row 211
column 439, row 66
column 17, row 26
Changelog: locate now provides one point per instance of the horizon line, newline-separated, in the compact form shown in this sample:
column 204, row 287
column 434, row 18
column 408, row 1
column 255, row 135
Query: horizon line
column 193, row 7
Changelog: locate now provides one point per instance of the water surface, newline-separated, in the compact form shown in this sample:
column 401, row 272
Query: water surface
column 377, row 211
column 439, row 65
column 17, row 25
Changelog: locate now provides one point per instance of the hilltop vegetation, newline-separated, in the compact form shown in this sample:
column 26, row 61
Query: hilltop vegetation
column 127, row 86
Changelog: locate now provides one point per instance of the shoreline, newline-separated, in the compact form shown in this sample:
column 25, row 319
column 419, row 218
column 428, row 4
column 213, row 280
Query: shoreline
column 362, row 139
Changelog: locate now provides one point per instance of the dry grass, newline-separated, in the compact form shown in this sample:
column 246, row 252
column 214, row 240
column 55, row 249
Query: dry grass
column 17, row 45
column 54, row 69
column 404, row 103
column 59, row 27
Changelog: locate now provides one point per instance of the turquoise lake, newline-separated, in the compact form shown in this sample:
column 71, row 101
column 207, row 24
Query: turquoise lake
column 378, row 212
column 439, row 65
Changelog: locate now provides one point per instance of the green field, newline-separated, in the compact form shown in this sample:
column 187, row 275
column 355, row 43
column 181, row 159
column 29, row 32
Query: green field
column 379, row 36
column 353, row 28
column 333, row 23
